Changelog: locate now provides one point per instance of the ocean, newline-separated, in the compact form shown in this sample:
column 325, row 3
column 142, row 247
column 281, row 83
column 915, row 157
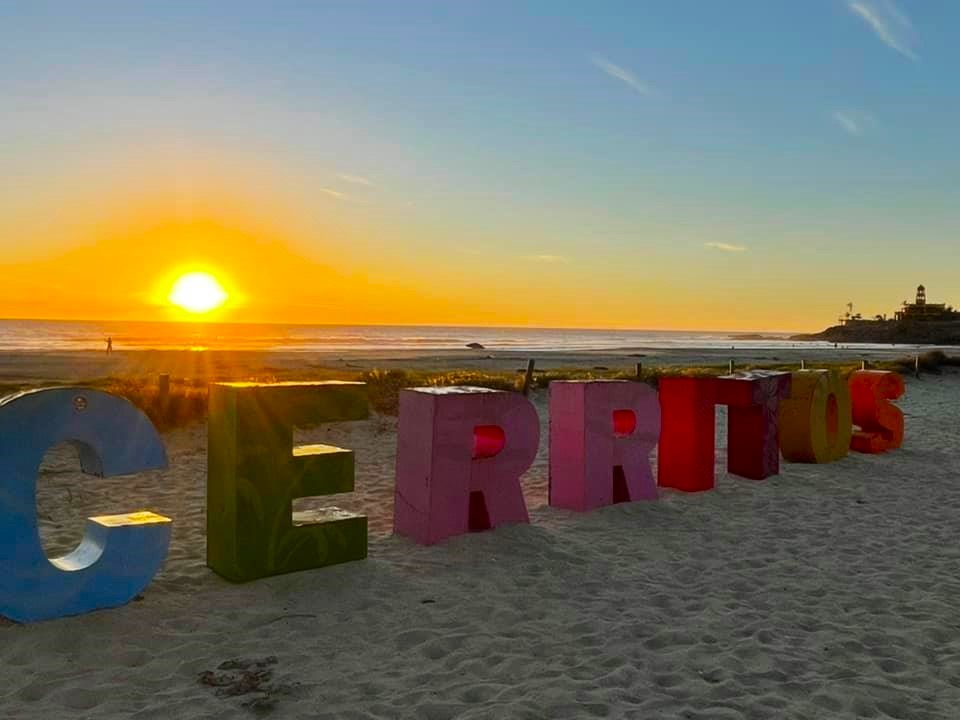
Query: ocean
column 52, row 336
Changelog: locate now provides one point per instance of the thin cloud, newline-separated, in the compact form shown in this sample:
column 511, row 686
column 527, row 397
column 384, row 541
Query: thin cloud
column 888, row 23
column 855, row 123
column 552, row 259
column 848, row 123
column 622, row 74
column 725, row 247
column 335, row 194
column 355, row 179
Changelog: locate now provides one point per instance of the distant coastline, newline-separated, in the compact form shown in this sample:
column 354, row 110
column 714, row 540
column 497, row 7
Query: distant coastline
column 916, row 323
column 893, row 332
column 757, row 336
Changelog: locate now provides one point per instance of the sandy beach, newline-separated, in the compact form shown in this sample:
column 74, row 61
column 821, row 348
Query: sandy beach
column 826, row 592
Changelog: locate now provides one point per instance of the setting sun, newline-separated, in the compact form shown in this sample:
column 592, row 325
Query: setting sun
column 197, row 292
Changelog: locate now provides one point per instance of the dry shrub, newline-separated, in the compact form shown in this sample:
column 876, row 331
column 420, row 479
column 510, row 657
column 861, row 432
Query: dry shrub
column 185, row 403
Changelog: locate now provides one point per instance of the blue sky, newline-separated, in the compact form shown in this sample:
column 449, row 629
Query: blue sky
column 776, row 154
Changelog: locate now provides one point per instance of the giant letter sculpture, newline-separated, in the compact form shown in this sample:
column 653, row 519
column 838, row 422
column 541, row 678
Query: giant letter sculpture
column 460, row 454
column 601, row 435
column 254, row 473
column 815, row 420
column 880, row 421
column 119, row 554
column 686, row 455
column 753, row 400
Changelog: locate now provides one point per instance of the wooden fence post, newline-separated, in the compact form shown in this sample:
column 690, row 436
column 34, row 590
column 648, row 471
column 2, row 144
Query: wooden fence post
column 163, row 390
column 528, row 377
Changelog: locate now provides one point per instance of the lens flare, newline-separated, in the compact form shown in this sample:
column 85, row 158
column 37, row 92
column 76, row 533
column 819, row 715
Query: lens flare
column 197, row 292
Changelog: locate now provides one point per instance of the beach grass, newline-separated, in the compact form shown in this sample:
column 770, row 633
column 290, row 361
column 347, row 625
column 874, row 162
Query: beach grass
column 186, row 401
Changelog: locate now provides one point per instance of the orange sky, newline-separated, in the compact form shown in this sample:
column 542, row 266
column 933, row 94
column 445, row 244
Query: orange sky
column 102, row 242
column 122, row 267
column 127, row 274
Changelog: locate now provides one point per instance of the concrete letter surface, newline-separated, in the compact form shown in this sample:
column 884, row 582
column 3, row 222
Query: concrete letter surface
column 879, row 420
column 119, row 554
column 687, row 434
column 460, row 454
column 601, row 435
column 254, row 473
column 753, row 403
column 815, row 419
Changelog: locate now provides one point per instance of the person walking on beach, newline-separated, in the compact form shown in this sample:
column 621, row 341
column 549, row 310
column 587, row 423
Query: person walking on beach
column 109, row 345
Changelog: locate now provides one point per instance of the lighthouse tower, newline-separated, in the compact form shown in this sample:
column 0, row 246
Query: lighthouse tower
column 922, row 310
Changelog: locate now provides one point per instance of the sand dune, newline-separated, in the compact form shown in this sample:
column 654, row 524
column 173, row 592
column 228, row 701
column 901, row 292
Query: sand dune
column 826, row 592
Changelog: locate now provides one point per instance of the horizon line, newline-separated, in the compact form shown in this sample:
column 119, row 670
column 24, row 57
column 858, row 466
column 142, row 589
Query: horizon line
column 397, row 325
